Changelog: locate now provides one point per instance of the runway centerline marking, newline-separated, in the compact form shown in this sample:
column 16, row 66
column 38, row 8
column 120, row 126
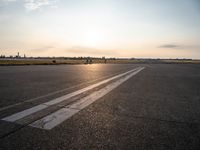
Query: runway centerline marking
column 27, row 112
column 54, row 119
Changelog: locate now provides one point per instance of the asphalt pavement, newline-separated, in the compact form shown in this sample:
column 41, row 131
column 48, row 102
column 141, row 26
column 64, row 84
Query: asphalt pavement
column 105, row 106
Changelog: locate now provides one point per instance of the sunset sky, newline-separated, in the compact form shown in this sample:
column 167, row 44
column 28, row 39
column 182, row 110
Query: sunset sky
column 111, row 28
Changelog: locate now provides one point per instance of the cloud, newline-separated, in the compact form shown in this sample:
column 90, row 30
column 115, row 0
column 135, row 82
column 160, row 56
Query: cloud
column 37, row 4
column 31, row 5
column 179, row 46
column 170, row 46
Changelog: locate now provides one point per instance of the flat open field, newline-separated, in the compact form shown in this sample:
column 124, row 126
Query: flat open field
column 56, row 61
column 100, row 106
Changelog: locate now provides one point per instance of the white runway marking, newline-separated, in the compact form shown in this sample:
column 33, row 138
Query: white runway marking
column 24, row 113
column 52, row 93
column 40, row 107
column 63, row 114
column 54, row 119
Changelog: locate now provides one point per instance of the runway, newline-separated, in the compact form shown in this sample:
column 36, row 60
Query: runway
column 100, row 107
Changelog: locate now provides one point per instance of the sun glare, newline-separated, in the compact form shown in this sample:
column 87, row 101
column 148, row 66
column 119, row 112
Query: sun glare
column 92, row 38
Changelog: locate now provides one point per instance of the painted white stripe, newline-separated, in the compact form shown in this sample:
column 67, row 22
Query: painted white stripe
column 61, row 99
column 54, row 119
column 53, row 93
column 40, row 107
column 24, row 113
column 63, row 114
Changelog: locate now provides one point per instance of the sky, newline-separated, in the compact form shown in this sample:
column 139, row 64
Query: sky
column 110, row 28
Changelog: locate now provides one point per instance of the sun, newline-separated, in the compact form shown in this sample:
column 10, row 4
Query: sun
column 92, row 38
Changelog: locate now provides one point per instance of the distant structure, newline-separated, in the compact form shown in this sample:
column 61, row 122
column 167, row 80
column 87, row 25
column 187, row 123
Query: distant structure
column 104, row 58
column 17, row 56
column 88, row 60
column 2, row 56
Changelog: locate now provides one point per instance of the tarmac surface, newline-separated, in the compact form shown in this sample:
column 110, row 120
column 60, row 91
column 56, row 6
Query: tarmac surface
column 114, row 107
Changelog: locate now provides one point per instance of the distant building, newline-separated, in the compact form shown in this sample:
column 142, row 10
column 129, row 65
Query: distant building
column 17, row 56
